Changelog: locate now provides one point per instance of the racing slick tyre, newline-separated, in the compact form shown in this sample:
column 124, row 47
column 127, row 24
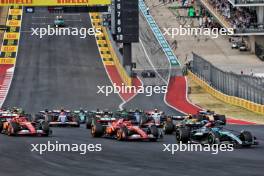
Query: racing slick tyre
column 183, row 135
column 97, row 130
column 89, row 123
column 1, row 126
column 213, row 138
column 122, row 134
column 39, row 117
column 247, row 138
column 168, row 128
column 45, row 127
column 77, row 120
column 221, row 118
column 155, row 132
column 143, row 120
column 201, row 118
column 13, row 128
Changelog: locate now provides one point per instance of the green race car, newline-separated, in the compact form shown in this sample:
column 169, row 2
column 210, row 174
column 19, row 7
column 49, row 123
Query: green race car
column 81, row 115
column 59, row 22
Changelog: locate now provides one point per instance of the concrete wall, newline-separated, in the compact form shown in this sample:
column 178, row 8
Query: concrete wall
column 260, row 40
column 260, row 14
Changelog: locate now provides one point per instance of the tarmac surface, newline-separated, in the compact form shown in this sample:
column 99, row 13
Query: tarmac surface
column 58, row 71
column 148, row 55
column 64, row 71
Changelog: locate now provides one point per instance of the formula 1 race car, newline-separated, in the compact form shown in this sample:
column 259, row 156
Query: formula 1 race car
column 59, row 118
column 209, row 115
column 197, row 119
column 160, row 120
column 10, row 111
column 59, row 22
column 81, row 115
column 148, row 74
column 126, row 129
column 214, row 133
column 13, row 125
column 98, row 116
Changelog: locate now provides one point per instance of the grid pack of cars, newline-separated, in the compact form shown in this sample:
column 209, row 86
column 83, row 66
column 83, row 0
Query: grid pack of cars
column 205, row 127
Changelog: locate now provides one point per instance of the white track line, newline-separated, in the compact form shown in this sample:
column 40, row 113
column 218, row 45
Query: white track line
column 152, row 65
column 128, row 100
column 166, row 82
column 164, row 98
column 187, row 98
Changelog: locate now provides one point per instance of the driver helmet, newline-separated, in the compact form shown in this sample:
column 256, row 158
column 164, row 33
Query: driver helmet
column 156, row 110
column 81, row 110
column 62, row 112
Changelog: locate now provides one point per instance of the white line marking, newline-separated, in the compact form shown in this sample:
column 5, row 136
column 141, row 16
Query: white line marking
column 186, row 94
column 79, row 20
column 42, row 23
column 132, row 97
column 34, row 17
column 152, row 65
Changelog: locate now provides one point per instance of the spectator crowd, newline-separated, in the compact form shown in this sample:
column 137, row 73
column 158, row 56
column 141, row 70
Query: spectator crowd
column 238, row 17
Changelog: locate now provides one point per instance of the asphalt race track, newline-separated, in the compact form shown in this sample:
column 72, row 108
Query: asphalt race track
column 64, row 72
column 58, row 71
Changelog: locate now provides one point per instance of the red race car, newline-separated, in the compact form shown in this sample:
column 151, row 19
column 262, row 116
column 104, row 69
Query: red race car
column 126, row 129
column 13, row 125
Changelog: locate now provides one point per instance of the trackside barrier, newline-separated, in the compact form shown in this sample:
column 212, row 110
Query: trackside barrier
column 111, row 55
column 122, row 72
column 54, row 3
column 158, row 34
column 9, row 50
column 251, row 106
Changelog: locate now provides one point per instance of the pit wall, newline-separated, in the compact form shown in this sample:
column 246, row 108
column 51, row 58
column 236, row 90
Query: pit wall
column 256, row 108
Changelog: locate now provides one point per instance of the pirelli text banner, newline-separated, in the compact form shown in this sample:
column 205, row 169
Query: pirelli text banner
column 54, row 2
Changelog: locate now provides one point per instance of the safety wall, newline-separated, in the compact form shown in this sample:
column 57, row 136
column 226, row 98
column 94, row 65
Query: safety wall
column 243, row 86
column 106, row 50
column 251, row 106
column 158, row 34
column 54, row 3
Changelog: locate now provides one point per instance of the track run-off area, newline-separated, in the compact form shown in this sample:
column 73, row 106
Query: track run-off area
column 63, row 72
